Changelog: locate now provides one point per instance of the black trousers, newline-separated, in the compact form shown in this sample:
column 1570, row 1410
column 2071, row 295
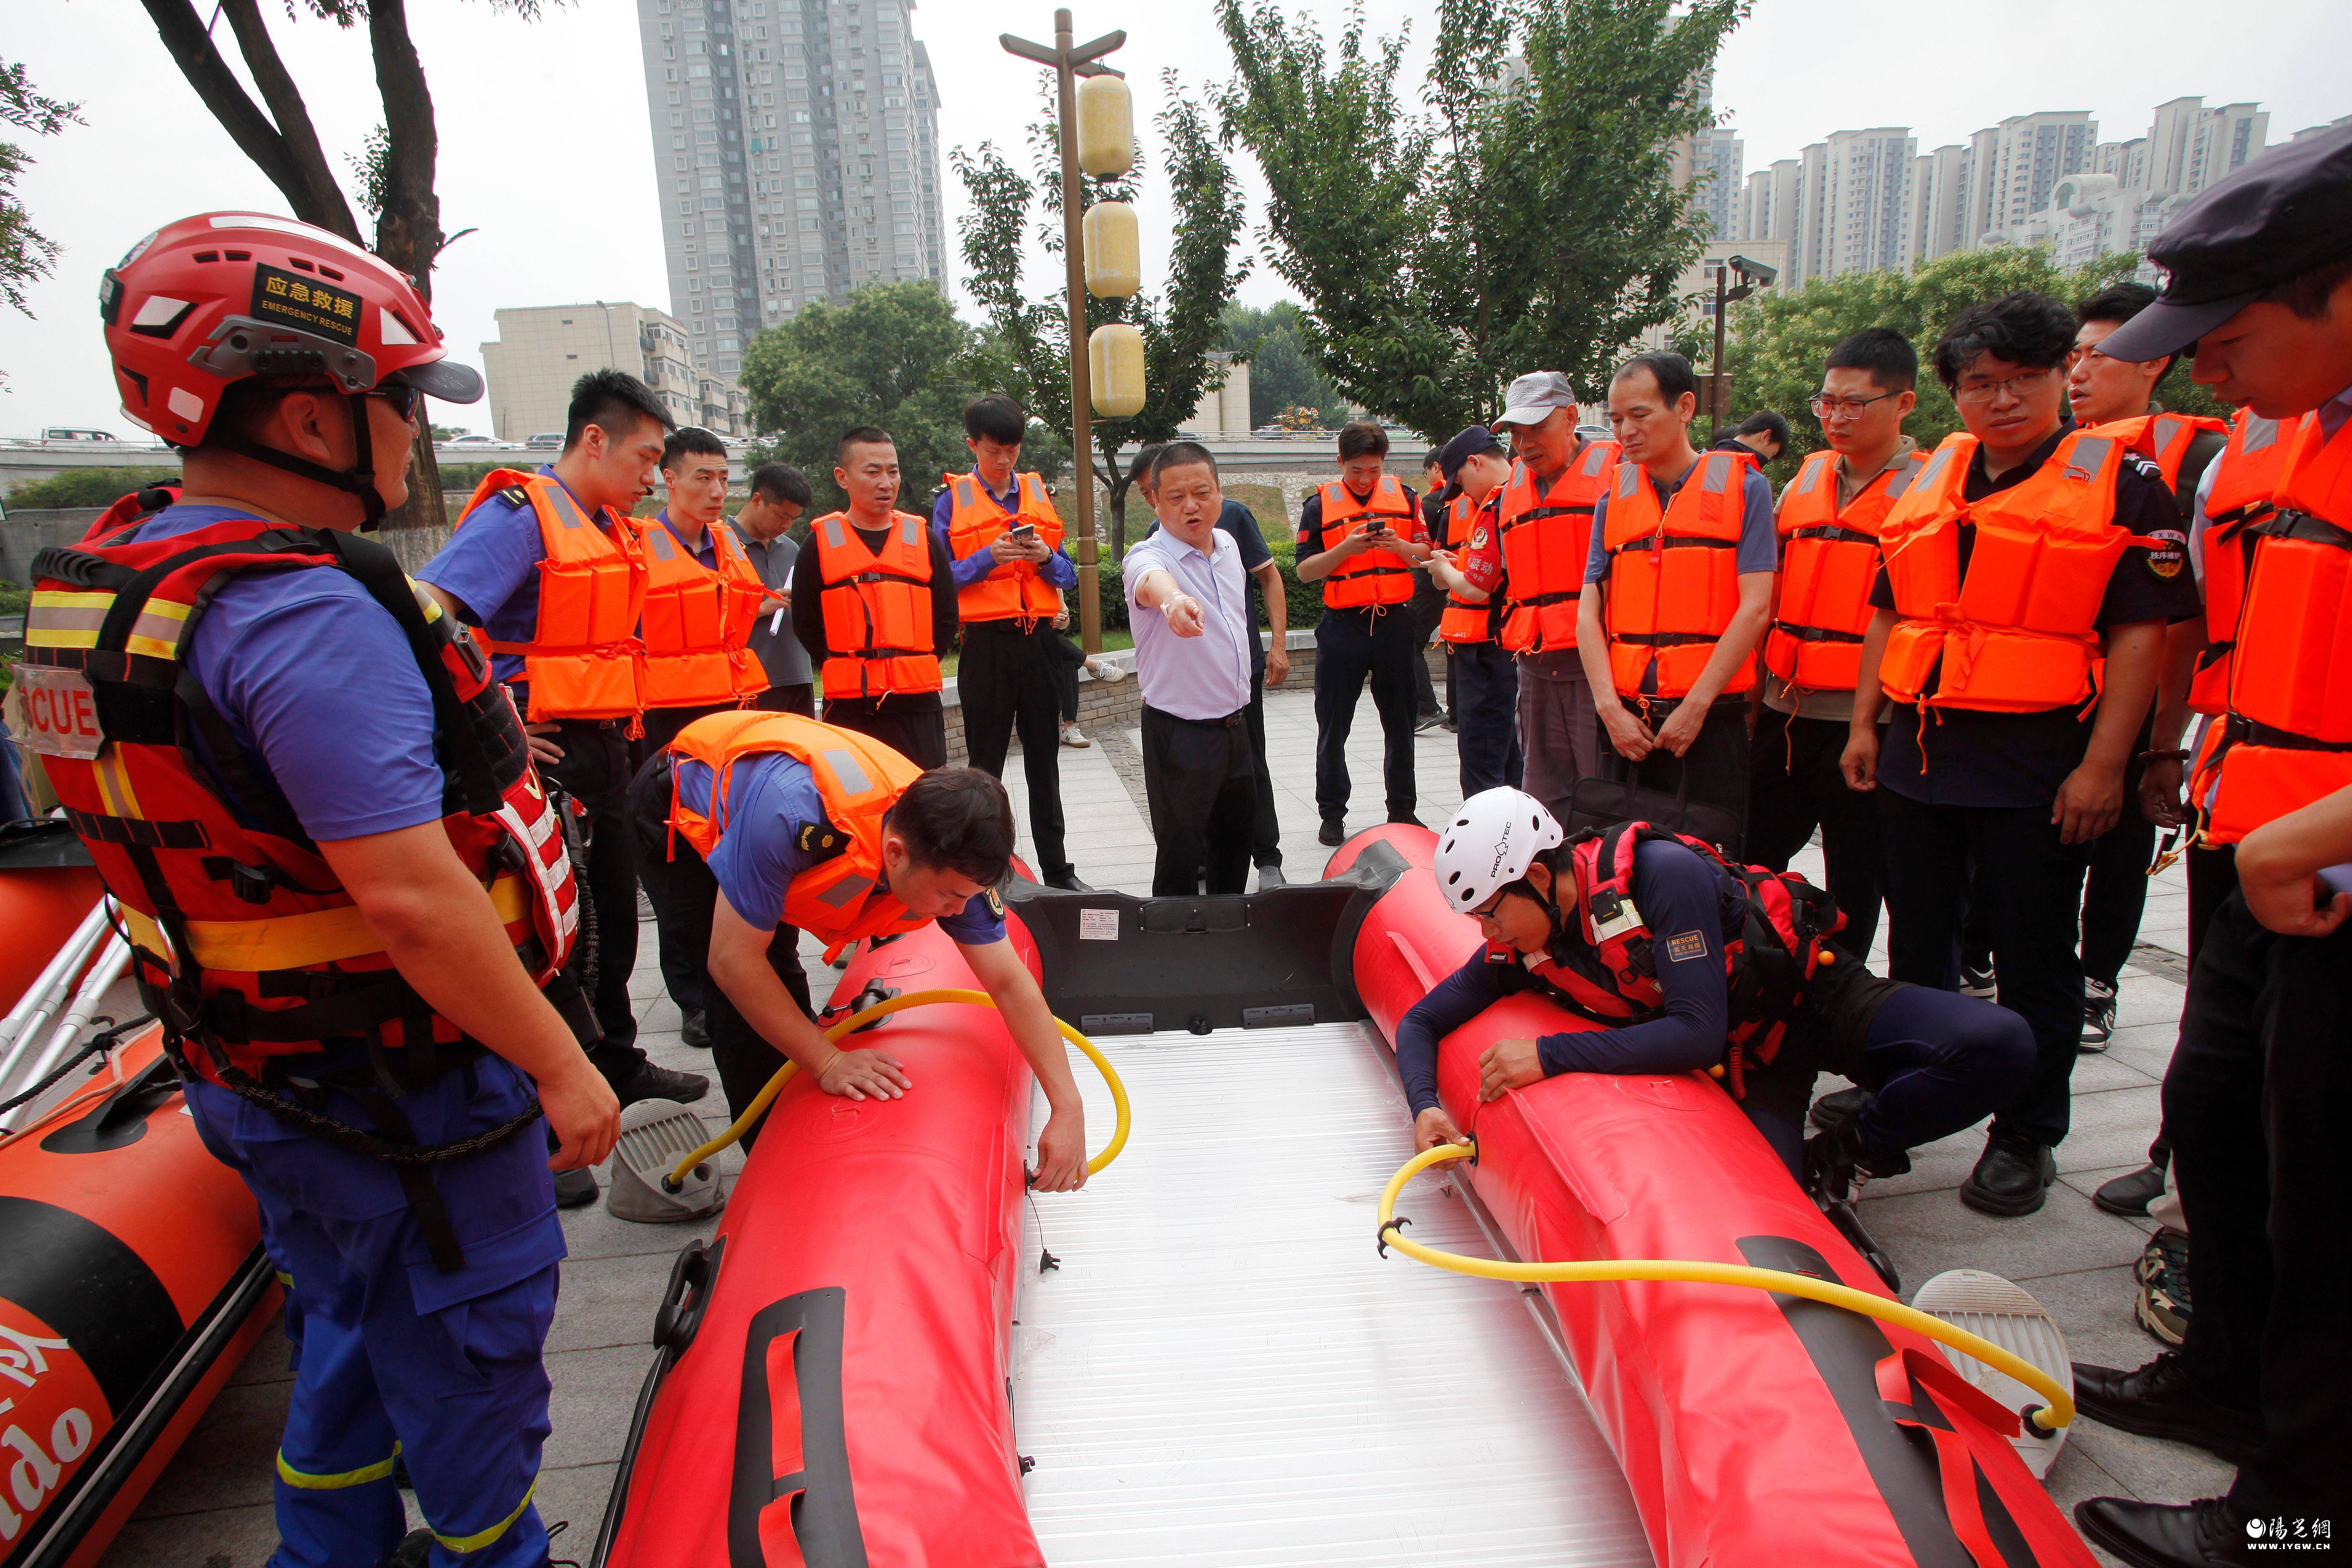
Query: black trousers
column 917, row 734
column 799, row 698
column 1487, row 716
column 2028, row 887
column 1203, row 790
column 594, row 770
column 1428, row 607
column 1265, row 824
column 1350, row 647
column 1065, row 657
column 2255, row 1103
column 1794, row 786
column 1717, row 763
column 1005, row 678
column 2115, row 894
column 663, row 724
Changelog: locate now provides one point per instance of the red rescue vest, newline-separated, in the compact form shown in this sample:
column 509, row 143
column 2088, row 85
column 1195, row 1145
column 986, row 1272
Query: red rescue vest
column 698, row 621
column 841, row 897
column 244, row 941
column 2287, row 740
column 1829, row 560
column 1375, row 577
column 1468, row 622
column 975, row 519
column 877, row 607
column 583, row 660
column 1547, row 539
column 1674, row 576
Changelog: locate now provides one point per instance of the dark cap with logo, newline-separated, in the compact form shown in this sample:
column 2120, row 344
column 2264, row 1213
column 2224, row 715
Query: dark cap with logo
column 2286, row 213
column 1475, row 440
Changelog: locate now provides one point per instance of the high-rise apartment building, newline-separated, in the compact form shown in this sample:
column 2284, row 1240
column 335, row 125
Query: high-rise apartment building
column 1861, row 217
column 541, row 350
column 796, row 143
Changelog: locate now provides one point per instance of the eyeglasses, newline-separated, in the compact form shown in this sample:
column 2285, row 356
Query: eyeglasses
column 1845, row 407
column 402, row 398
column 2024, row 384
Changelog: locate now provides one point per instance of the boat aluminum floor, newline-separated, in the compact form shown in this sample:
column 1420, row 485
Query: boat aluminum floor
column 1224, row 1372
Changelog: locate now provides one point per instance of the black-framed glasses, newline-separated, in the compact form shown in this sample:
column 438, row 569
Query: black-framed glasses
column 404, row 400
column 1845, row 407
column 2025, row 384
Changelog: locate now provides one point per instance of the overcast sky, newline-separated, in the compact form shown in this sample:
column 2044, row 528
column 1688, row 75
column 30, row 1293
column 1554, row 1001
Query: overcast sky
column 544, row 147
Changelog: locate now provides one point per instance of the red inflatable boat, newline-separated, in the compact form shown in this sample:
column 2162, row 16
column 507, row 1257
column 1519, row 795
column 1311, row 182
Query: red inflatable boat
column 831, row 1387
column 1754, row 1428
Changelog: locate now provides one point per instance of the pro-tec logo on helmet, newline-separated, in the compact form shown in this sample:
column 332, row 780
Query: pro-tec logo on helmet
column 1502, row 851
column 306, row 302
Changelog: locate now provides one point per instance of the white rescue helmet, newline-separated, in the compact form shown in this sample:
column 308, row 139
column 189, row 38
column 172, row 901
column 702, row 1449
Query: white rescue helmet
column 1493, row 840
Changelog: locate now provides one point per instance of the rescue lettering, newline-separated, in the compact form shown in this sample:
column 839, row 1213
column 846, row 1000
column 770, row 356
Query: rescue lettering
column 60, row 712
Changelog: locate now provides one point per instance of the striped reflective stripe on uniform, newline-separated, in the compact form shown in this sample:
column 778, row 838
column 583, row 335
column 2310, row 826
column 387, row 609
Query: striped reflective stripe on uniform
column 312, row 1481
column 65, row 617
column 466, row 1544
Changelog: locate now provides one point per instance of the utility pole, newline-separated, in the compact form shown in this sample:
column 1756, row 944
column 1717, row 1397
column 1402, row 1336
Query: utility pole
column 1069, row 63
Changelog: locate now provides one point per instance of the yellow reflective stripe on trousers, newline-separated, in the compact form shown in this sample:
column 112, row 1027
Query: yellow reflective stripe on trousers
column 465, row 1543
column 359, row 1477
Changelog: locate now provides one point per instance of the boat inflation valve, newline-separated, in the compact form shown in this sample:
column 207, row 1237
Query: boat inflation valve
column 656, row 1134
column 1991, row 1308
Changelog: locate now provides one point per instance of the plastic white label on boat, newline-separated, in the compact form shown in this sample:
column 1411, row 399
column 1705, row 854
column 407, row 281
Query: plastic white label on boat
column 60, row 712
column 1098, row 925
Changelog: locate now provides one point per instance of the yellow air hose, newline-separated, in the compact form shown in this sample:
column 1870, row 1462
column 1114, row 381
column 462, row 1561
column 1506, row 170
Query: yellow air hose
column 2058, row 1413
column 776, row 1086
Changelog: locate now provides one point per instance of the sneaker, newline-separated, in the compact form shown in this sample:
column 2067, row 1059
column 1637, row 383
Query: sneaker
column 694, row 1029
column 2012, row 1176
column 2162, row 1399
column 1427, row 721
column 2130, row 1195
column 1105, row 671
column 2163, row 1273
column 2098, row 1016
column 652, row 1082
column 1976, row 980
column 1071, row 736
column 1334, row 832
column 575, row 1189
column 1830, row 1110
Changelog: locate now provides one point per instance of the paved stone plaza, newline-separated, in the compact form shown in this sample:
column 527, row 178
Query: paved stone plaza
column 212, row 1508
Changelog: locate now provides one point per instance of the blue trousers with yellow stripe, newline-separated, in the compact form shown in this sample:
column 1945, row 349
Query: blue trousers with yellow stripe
column 391, row 1356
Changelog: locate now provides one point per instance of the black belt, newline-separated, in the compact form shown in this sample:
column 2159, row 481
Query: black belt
column 1814, row 634
column 1233, row 721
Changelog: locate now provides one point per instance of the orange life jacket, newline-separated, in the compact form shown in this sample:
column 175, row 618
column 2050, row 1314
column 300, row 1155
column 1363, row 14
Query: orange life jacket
column 1547, row 539
column 2245, row 477
column 841, row 897
column 878, row 608
column 698, row 621
column 244, row 943
column 975, row 518
column 1829, row 560
column 1467, row 622
column 2017, row 634
column 1674, row 576
column 2163, row 439
column 583, row 660
column 1376, row 576
column 2287, row 740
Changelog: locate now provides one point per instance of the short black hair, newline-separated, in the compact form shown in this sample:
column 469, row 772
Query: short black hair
column 1139, row 472
column 1180, row 454
column 996, row 417
column 957, row 819
column 1671, row 372
column 690, row 440
column 860, row 436
column 1881, row 352
column 2307, row 294
column 2119, row 304
column 2025, row 328
column 1764, row 422
column 782, row 482
column 615, row 403
column 1362, row 438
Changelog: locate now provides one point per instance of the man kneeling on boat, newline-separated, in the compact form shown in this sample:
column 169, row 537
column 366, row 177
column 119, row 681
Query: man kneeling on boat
column 1688, row 963
column 777, row 824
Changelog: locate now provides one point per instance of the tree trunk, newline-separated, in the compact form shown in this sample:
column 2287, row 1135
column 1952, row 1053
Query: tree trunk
column 408, row 229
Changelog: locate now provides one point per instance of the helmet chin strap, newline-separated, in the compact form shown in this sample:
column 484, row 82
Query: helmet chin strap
column 359, row 479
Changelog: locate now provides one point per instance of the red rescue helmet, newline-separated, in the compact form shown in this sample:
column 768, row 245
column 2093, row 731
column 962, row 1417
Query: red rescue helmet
column 216, row 298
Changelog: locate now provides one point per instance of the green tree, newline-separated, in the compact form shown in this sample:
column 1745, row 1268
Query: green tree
column 25, row 253
column 86, row 486
column 1281, row 375
column 1528, row 219
column 1780, row 338
column 1180, row 326
column 893, row 354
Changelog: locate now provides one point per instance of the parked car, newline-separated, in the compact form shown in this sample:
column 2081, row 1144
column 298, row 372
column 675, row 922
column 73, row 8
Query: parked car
column 473, row 441
column 550, row 443
column 62, row 433
column 1595, row 433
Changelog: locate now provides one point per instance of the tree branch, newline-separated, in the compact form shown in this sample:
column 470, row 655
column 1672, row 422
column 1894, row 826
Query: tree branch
column 218, row 89
column 408, row 229
column 297, row 135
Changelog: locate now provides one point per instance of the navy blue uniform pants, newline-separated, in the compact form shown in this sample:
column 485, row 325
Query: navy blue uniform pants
column 1485, row 717
column 2028, row 889
column 1351, row 647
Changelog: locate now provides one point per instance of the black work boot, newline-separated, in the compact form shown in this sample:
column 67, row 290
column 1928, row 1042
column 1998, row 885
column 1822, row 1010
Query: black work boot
column 2012, row 1177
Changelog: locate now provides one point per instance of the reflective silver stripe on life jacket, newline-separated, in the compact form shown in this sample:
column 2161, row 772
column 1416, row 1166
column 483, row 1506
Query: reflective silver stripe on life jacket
column 1715, row 478
column 910, row 527
column 567, row 512
column 2088, row 456
column 846, row 891
column 847, row 769
column 1628, row 475
column 832, row 534
column 2260, row 433
column 1596, row 460
column 1907, row 471
column 1809, row 478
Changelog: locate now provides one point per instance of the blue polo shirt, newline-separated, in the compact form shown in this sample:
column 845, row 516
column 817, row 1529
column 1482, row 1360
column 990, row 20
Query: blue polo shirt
column 1057, row 568
column 771, row 797
column 287, row 657
column 491, row 566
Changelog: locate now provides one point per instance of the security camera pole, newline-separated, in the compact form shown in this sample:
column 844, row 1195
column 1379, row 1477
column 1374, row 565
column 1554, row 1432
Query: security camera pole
column 1752, row 275
column 1069, row 63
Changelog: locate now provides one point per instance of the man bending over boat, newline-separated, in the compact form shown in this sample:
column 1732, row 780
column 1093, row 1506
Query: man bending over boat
column 1677, row 954
column 777, row 825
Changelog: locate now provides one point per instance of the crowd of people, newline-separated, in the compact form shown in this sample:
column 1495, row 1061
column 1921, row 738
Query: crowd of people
column 386, row 838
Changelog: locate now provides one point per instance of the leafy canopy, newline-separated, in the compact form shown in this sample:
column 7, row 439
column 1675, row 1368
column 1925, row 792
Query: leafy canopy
column 1526, row 219
column 25, row 253
column 1281, row 375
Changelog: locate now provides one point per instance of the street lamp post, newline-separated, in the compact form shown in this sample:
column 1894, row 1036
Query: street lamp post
column 1069, row 63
